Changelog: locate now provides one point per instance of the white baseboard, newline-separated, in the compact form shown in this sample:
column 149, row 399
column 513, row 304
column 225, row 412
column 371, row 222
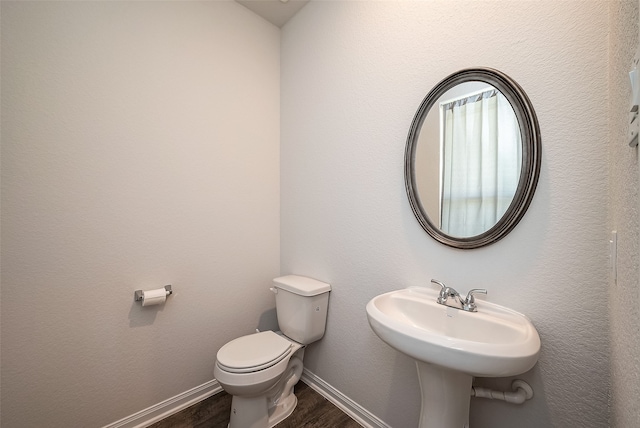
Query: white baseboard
column 344, row 403
column 168, row 407
column 173, row 405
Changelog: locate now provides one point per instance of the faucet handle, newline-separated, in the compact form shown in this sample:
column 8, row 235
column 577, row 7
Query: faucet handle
column 440, row 283
column 469, row 303
column 444, row 291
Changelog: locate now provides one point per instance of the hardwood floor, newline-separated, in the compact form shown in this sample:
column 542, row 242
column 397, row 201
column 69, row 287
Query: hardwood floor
column 312, row 411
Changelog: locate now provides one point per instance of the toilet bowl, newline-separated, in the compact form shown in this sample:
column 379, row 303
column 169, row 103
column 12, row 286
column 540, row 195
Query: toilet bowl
column 260, row 370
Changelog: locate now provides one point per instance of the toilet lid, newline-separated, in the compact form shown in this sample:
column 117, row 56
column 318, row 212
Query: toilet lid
column 253, row 352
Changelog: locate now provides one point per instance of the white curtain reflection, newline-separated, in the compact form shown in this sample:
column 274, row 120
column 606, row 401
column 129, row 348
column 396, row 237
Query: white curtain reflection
column 481, row 157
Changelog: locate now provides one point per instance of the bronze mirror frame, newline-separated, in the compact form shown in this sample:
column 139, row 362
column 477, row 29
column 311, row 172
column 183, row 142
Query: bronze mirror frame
column 531, row 156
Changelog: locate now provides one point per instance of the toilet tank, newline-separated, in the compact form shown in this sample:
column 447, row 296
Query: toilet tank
column 301, row 305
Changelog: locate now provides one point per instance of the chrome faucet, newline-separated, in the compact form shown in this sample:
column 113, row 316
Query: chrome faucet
column 450, row 297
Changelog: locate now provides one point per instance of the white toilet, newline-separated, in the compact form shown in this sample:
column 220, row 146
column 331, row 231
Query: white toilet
column 261, row 369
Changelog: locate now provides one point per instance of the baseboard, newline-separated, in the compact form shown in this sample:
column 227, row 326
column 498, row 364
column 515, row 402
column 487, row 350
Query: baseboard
column 344, row 403
column 173, row 405
column 168, row 407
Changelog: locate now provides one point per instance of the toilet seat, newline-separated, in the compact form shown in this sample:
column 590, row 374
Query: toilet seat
column 254, row 352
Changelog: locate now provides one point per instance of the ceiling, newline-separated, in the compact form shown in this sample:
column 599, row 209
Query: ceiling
column 275, row 11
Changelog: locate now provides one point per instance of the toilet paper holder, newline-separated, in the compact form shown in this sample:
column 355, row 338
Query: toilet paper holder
column 137, row 295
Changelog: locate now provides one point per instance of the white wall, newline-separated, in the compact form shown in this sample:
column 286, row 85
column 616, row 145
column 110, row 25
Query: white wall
column 624, row 295
column 353, row 74
column 140, row 147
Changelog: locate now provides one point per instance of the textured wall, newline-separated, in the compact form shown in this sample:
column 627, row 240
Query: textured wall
column 139, row 148
column 624, row 295
column 353, row 74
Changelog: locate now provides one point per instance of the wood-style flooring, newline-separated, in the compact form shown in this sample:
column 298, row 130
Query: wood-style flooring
column 312, row 411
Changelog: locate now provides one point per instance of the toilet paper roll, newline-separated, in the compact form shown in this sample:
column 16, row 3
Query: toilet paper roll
column 154, row 297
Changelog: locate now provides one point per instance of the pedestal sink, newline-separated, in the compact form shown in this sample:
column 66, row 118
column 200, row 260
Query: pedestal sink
column 451, row 346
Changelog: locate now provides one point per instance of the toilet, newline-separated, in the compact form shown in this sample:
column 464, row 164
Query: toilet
column 260, row 370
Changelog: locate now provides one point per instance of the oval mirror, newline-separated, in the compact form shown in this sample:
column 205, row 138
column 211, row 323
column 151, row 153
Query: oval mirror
column 472, row 158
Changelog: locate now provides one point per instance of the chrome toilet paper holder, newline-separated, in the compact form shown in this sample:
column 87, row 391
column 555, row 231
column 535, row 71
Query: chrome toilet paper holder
column 137, row 295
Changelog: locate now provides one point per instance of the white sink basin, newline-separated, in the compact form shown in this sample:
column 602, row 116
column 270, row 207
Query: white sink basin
column 492, row 342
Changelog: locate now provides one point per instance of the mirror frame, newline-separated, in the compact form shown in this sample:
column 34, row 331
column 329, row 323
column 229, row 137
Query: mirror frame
column 531, row 156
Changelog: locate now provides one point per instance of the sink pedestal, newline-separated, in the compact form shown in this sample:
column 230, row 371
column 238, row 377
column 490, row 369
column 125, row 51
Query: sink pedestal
column 446, row 396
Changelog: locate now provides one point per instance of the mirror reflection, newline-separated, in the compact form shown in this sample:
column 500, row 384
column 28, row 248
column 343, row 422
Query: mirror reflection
column 468, row 159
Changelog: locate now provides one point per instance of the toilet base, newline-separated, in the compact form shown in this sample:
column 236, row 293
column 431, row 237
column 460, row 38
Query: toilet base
column 249, row 412
column 265, row 411
column 283, row 410
column 254, row 412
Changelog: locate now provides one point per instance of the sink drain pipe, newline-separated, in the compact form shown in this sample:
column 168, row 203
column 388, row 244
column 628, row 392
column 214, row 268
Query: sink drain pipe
column 521, row 391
